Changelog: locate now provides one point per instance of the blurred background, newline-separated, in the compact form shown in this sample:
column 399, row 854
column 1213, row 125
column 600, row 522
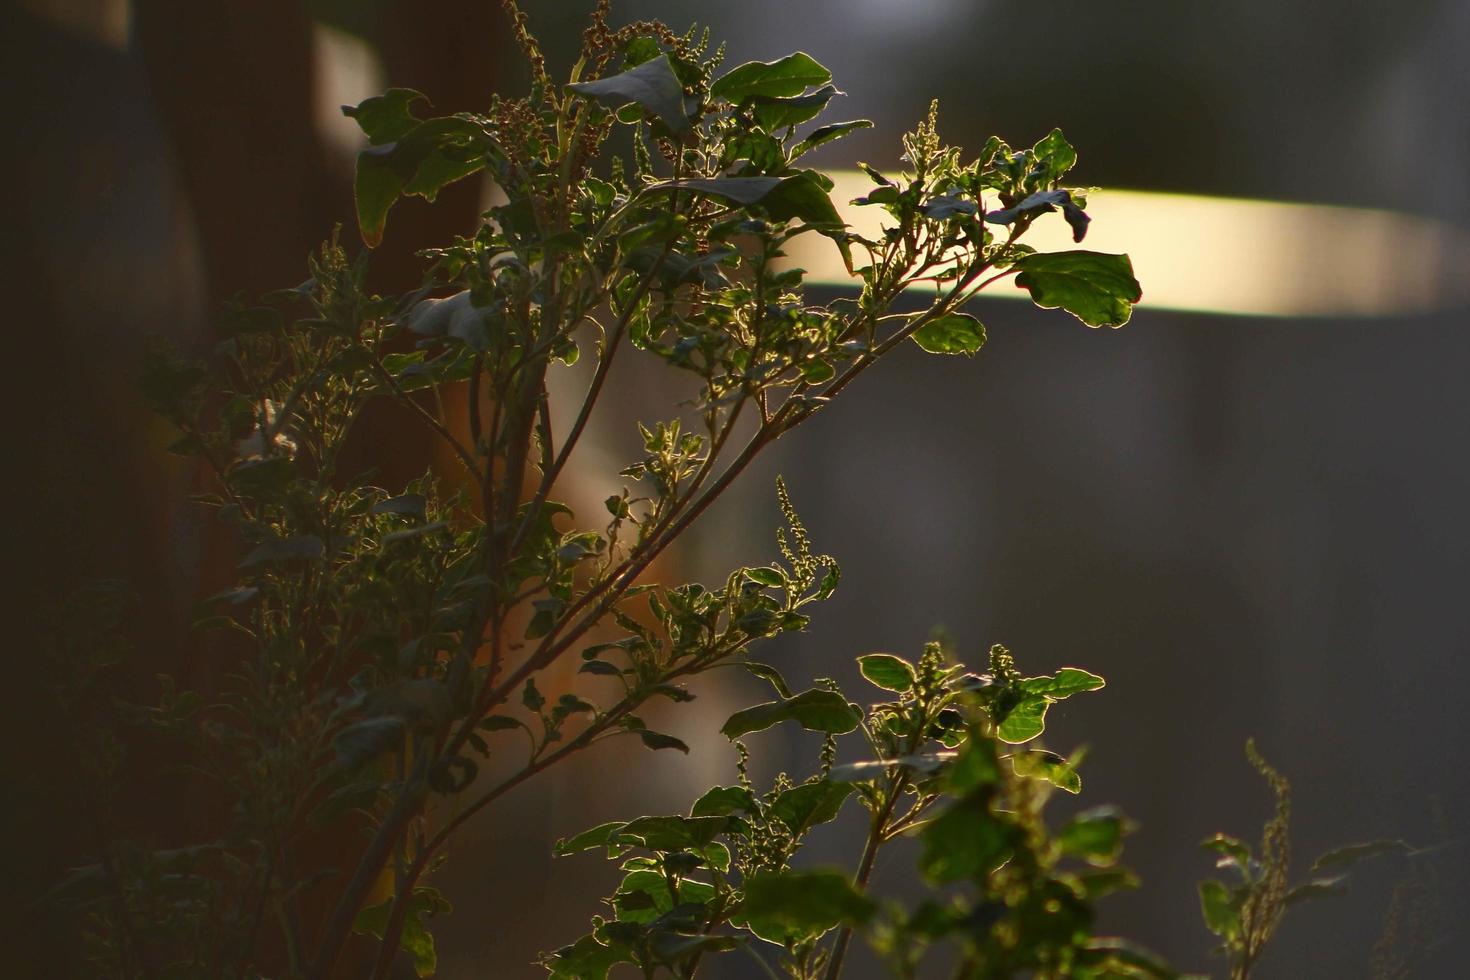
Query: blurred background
column 1246, row 509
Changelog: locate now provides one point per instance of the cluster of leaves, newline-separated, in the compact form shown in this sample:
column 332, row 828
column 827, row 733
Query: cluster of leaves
column 952, row 767
column 387, row 642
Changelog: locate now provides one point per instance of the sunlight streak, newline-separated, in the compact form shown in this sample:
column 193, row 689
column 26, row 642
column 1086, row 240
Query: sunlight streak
column 1231, row 255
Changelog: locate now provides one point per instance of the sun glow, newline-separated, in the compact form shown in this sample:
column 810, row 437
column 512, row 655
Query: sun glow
column 1231, row 255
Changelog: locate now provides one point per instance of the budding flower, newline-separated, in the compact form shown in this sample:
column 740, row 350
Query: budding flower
column 253, row 445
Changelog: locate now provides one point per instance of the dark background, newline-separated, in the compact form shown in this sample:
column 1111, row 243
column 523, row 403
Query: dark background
column 1249, row 526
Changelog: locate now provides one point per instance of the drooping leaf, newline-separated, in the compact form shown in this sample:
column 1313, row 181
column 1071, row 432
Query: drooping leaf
column 768, row 673
column 814, row 710
column 887, row 671
column 788, row 76
column 953, row 333
column 658, row 740
column 801, row 197
column 1041, row 201
column 1097, row 288
column 797, row 905
column 652, row 85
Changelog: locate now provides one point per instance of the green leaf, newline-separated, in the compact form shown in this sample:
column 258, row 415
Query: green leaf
column 1317, row 888
column 531, row 697
column 799, row 905
column 1041, row 764
column 1097, row 288
column 803, row 197
column 1041, row 201
column 644, row 895
column 653, row 85
column 1097, row 884
column 776, row 114
column 1342, row 857
column 586, row 959
column 966, row 841
column 740, row 190
column 1025, row 721
column 674, row 947
column 1221, row 909
column 422, row 161
column 414, row 939
column 978, row 765
column 769, row 577
column 814, row 710
column 407, row 505
column 1067, row 682
column 803, row 807
column 300, row 547
column 1095, row 835
column 1055, row 153
column 787, row 76
column 826, row 134
column 587, row 839
column 768, row 673
column 498, row 723
column 723, row 800
column 671, row 833
column 1117, row 959
column 1232, row 853
column 953, row 333
column 386, row 118
column 887, row 671
column 658, row 740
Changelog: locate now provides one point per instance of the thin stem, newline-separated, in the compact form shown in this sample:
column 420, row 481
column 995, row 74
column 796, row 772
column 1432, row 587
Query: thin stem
column 424, row 415
column 368, row 869
column 876, row 836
